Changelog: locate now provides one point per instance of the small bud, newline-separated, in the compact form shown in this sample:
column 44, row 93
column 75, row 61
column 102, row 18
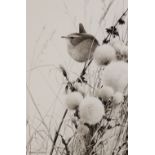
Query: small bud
column 115, row 75
column 118, row 97
column 104, row 54
column 91, row 110
column 82, row 129
column 73, row 100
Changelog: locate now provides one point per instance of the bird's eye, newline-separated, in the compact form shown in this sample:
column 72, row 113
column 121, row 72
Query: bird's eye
column 71, row 37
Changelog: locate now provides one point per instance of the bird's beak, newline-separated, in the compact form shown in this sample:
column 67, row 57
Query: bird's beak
column 66, row 37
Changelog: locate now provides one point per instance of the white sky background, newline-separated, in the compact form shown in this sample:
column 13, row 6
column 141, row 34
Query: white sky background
column 47, row 21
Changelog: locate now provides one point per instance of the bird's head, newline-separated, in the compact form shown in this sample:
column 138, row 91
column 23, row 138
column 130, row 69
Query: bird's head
column 75, row 38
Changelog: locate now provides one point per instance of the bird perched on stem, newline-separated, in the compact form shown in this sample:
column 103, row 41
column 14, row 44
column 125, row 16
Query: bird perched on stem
column 82, row 45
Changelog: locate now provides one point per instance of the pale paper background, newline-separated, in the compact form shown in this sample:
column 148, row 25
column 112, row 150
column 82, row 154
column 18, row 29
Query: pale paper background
column 47, row 21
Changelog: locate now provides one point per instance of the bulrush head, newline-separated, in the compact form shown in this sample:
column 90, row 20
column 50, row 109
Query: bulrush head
column 82, row 45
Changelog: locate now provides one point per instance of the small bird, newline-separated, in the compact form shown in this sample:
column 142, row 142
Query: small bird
column 82, row 45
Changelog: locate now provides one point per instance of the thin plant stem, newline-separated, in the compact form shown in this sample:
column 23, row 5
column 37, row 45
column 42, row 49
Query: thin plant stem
column 57, row 132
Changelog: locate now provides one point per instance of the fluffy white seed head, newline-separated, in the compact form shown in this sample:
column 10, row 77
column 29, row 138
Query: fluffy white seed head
column 82, row 129
column 121, row 50
column 118, row 97
column 115, row 75
column 73, row 100
column 91, row 110
column 106, row 92
column 119, row 46
column 125, row 50
column 104, row 54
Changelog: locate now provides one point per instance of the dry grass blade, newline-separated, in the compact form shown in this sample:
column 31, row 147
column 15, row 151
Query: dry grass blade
column 36, row 107
column 57, row 132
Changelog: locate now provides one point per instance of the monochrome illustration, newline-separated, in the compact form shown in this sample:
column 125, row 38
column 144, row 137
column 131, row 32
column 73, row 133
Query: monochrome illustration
column 77, row 77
